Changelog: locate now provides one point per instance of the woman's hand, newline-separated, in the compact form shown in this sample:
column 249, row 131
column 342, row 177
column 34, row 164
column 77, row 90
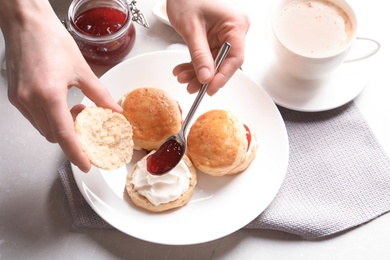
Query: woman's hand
column 43, row 63
column 205, row 25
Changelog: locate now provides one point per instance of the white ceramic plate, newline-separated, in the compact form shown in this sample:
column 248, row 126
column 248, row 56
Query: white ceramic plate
column 220, row 205
column 160, row 11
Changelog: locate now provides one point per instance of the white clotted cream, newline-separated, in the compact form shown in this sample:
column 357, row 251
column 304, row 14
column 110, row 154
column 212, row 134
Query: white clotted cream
column 164, row 188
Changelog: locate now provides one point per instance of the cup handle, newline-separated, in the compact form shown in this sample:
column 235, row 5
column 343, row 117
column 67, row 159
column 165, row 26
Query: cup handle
column 367, row 54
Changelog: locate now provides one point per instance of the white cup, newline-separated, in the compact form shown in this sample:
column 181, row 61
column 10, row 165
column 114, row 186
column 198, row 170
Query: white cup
column 313, row 37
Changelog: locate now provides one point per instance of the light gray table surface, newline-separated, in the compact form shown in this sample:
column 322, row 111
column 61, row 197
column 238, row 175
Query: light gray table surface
column 35, row 221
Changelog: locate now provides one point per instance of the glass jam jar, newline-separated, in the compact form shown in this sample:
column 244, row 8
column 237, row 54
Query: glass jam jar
column 103, row 29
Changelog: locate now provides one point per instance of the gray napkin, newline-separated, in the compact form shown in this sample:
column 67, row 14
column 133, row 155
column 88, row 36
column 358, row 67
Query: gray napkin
column 338, row 178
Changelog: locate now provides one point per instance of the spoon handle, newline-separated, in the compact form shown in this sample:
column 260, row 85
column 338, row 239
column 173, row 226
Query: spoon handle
column 218, row 61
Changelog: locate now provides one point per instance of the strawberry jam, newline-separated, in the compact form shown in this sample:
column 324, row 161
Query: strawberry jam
column 248, row 136
column 105, row 35
column 165, row 158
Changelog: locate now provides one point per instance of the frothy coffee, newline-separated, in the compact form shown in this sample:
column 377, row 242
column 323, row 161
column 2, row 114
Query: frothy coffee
column 313, row 28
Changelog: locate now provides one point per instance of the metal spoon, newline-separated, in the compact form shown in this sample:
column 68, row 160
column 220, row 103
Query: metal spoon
column 169, row 154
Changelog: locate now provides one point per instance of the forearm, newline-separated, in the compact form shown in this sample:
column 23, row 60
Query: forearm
column 16, row 14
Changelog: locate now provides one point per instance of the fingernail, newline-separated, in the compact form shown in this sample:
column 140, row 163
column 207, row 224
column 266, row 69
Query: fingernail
column 84, row 169
column 203, row 74
column 211, row 92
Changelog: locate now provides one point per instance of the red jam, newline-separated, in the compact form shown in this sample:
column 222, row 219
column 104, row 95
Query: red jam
column 98, row 24
column 181, row 111
column 248, row 136
column 100, row 21
column 165, row 158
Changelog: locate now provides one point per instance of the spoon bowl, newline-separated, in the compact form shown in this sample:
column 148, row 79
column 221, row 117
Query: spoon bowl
column 172, row 150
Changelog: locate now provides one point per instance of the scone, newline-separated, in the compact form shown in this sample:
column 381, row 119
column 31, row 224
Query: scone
column 153, row 114
column 158, row 193
column 105, row 137
column 219, row 143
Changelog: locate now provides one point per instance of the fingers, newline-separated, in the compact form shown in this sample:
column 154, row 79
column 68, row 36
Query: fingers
column 185, row 73
column 76, row 110
column 205, row 26
column 91, row 86
column 201, row 70
column 62, row 126
column 68, row 140
column 201, row 57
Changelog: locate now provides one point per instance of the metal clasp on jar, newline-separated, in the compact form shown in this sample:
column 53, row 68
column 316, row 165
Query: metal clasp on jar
column 137, row 16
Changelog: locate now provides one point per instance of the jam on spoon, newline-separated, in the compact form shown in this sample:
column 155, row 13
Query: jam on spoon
column 169, row 154
column 165, row 158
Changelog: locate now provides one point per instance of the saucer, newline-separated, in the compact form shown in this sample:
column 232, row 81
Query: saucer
column 160, row 12
column 337, row 89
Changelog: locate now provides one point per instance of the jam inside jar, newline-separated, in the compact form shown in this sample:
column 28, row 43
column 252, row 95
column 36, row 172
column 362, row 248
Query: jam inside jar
column 103, row 30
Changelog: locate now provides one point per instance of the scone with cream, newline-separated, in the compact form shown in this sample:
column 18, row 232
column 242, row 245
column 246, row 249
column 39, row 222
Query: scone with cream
column 157, row 193
column 219, row 143
column 153, row 114
column 105, row 137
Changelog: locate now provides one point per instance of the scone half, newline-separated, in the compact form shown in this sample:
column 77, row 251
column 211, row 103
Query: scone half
column 105, row 137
